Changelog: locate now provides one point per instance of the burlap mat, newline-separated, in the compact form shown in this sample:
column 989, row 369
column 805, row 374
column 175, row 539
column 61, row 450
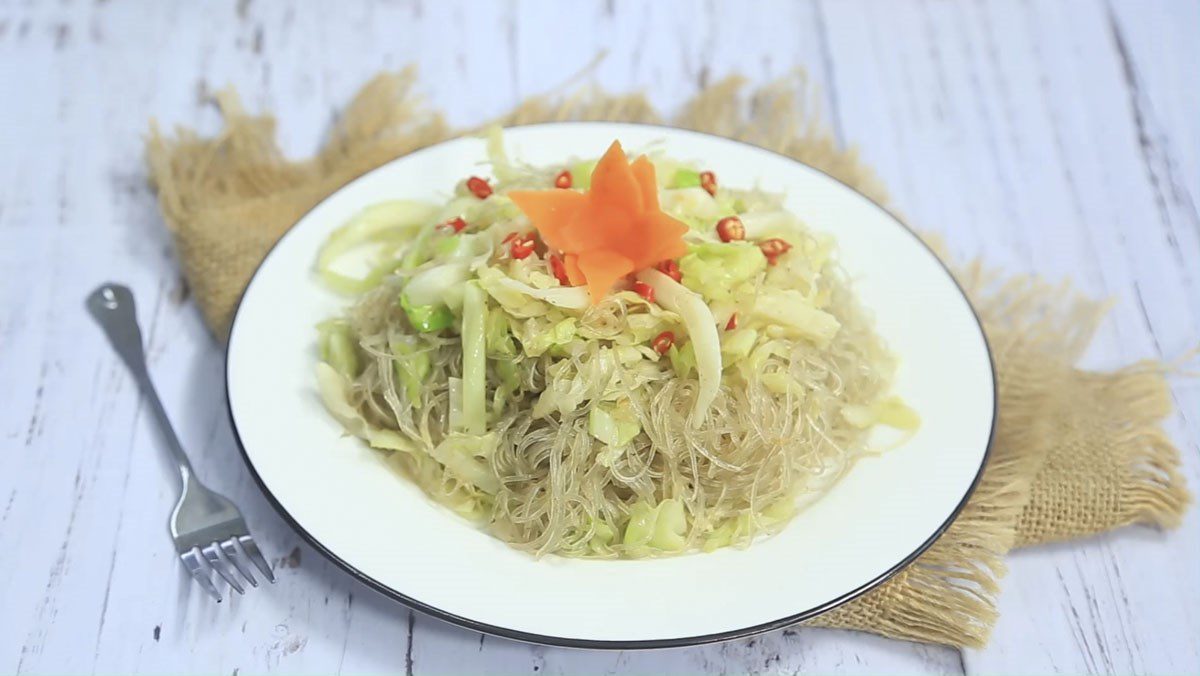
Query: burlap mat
column 1075, row 453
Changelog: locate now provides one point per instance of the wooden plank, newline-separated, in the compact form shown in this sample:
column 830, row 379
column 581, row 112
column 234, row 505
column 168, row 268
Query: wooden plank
column 1010, row 129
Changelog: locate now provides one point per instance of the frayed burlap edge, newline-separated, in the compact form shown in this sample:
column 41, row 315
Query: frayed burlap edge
column 227, row 199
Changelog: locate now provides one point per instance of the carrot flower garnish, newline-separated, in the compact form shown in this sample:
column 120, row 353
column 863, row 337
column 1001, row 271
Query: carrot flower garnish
column 613, row 229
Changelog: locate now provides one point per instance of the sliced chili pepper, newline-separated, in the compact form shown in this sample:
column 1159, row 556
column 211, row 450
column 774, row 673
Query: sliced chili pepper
column 774, row 248
column 563, row 180
column 559, row 269
column 732, row 323
column 708, row 181
column 730, row 229
column 455, row 224
column 644, row 290
column 662, row 342
column 521, row 247
column 479, row 187
column 671, row 269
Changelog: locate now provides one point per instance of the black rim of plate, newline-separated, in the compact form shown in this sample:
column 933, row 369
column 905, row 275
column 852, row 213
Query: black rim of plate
column 733, row 634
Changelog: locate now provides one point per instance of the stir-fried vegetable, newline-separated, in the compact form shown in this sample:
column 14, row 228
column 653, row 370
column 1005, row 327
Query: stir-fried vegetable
column 332, row 387
column 337, row 347
column 702, row 330
column 717, row 271
column 474, row 359
column 387, row 222
column 605, row 358
column 615, row 426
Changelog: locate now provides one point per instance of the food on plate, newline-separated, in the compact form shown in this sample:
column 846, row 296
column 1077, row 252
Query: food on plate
column 625, row 357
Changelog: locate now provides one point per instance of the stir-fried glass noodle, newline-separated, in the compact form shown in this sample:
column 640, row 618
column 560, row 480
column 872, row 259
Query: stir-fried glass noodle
column 695, row 402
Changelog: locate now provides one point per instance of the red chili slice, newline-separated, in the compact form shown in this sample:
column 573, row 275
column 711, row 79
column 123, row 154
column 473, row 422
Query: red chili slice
column 455, row 224
column 662, row 342
column 732, row 323
column 671, row 269
column 559, row 269
column 644, row 290
column 479, row 187
column 521, row 247
column 730, row 229
column 774, row 248
column 708, row 181
column 563, row 180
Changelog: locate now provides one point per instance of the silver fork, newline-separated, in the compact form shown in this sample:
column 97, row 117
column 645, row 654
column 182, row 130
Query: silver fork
column 208, row 529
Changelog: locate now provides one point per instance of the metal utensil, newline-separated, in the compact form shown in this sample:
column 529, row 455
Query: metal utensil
column 208, row 529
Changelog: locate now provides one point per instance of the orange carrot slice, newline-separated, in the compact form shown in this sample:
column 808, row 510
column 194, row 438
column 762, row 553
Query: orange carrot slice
column 613, row 183
column 549, row 211
column 615, row 228
column 664, row 239
column 602, row 269
column 643, row 173
column 574, row 274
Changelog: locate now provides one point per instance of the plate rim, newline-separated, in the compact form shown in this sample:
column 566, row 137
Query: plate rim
column 641, row 644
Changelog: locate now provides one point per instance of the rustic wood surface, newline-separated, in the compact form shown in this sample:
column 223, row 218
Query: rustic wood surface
column 1061, row 138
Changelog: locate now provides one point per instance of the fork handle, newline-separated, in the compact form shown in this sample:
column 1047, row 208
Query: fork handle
column 111, row 305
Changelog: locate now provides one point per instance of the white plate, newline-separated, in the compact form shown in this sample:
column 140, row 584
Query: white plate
column 384, row 531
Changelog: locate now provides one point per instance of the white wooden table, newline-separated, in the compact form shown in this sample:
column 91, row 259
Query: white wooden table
column 1061, row 138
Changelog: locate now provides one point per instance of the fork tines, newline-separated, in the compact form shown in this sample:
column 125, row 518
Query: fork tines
column 226, row 557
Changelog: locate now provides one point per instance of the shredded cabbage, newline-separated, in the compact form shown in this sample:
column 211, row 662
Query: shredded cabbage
column 332, row 387
column 737, row 345
column 613, row 425
column 685, row 178
column 377, row 223
column 427, row 318
column 683, row 360
column 516, row 296
column 702, row 331
column 412, row 365
column 441, row 285
column 890, row 411
column 662, row 527
column 581, row 174
column 716, row 270
column 788, row 312
column 693, row 206
column 502, row 167
column 465, row 457
column 474, row 367
column 337, row 347
column 764, row 224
